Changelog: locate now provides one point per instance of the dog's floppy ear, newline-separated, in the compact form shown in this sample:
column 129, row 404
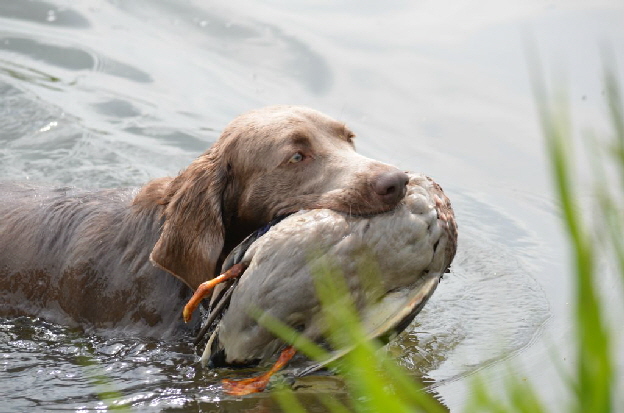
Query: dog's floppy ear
column 192, row 234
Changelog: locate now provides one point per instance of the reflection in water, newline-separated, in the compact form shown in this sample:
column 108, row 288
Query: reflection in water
column 27, row 74
column 65, row 57
column 47, row 365
column 242, row 40
column 71, row 58
column 40, row 142
column 44, row 13
column 53, row 367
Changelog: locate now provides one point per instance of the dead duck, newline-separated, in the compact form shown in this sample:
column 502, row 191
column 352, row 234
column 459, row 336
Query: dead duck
column 412, row 246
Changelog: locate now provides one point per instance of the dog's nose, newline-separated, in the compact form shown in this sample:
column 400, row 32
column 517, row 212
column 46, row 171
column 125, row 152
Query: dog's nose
column 390, row 186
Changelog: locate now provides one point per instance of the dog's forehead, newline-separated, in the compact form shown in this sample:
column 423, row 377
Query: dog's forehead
column 288, row 119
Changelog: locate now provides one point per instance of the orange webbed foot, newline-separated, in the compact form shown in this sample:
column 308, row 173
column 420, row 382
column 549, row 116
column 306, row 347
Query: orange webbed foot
column 206, row 287
column 259, row 383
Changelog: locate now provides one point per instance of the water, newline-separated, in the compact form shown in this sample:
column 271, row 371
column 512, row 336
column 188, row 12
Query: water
column 108, row 94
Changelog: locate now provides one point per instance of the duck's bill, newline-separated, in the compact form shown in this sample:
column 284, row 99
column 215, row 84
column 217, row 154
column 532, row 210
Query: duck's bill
column 386, row 318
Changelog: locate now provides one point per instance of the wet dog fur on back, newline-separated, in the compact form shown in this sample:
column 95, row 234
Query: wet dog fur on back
column 106, row 258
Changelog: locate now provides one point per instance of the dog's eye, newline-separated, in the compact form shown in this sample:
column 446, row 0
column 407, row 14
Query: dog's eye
column 298, row 157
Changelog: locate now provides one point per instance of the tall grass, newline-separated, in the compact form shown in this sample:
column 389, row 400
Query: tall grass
column 594, row 376
column 376, row 383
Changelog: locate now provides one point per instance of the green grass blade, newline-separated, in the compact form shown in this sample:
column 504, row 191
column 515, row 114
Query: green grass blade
column 593, row 353
column 288, row 401
column 333, row 405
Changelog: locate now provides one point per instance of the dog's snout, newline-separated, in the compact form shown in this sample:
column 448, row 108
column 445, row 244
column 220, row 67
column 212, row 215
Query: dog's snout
column 390, row 186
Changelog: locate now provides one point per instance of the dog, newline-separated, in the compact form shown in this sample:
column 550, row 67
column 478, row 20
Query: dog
column 128, row 259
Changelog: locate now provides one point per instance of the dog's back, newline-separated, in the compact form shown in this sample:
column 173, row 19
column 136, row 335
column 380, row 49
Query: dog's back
column 82, row 258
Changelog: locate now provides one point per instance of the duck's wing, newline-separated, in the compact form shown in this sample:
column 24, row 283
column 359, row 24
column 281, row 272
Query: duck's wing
column 387, row 318
column 221, row 294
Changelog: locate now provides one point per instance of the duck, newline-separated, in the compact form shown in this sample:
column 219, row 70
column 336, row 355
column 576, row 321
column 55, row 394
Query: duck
column 391, row 264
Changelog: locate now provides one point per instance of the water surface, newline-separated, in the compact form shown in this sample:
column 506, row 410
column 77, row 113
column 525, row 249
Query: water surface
column 109, row 94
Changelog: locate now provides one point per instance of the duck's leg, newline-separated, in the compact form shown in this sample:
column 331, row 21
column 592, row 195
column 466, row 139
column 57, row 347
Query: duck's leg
column 259, row 383
column 206, row 287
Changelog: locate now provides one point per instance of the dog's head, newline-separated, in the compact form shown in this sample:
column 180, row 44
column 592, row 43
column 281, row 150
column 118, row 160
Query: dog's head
column 267, row 163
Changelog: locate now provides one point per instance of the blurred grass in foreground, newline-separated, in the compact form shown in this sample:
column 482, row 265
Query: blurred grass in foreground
column 374, row 381
column 596, row 235
column 589, row 234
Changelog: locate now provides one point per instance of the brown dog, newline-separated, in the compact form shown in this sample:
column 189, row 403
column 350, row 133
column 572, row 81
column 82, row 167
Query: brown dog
column 85, row 258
